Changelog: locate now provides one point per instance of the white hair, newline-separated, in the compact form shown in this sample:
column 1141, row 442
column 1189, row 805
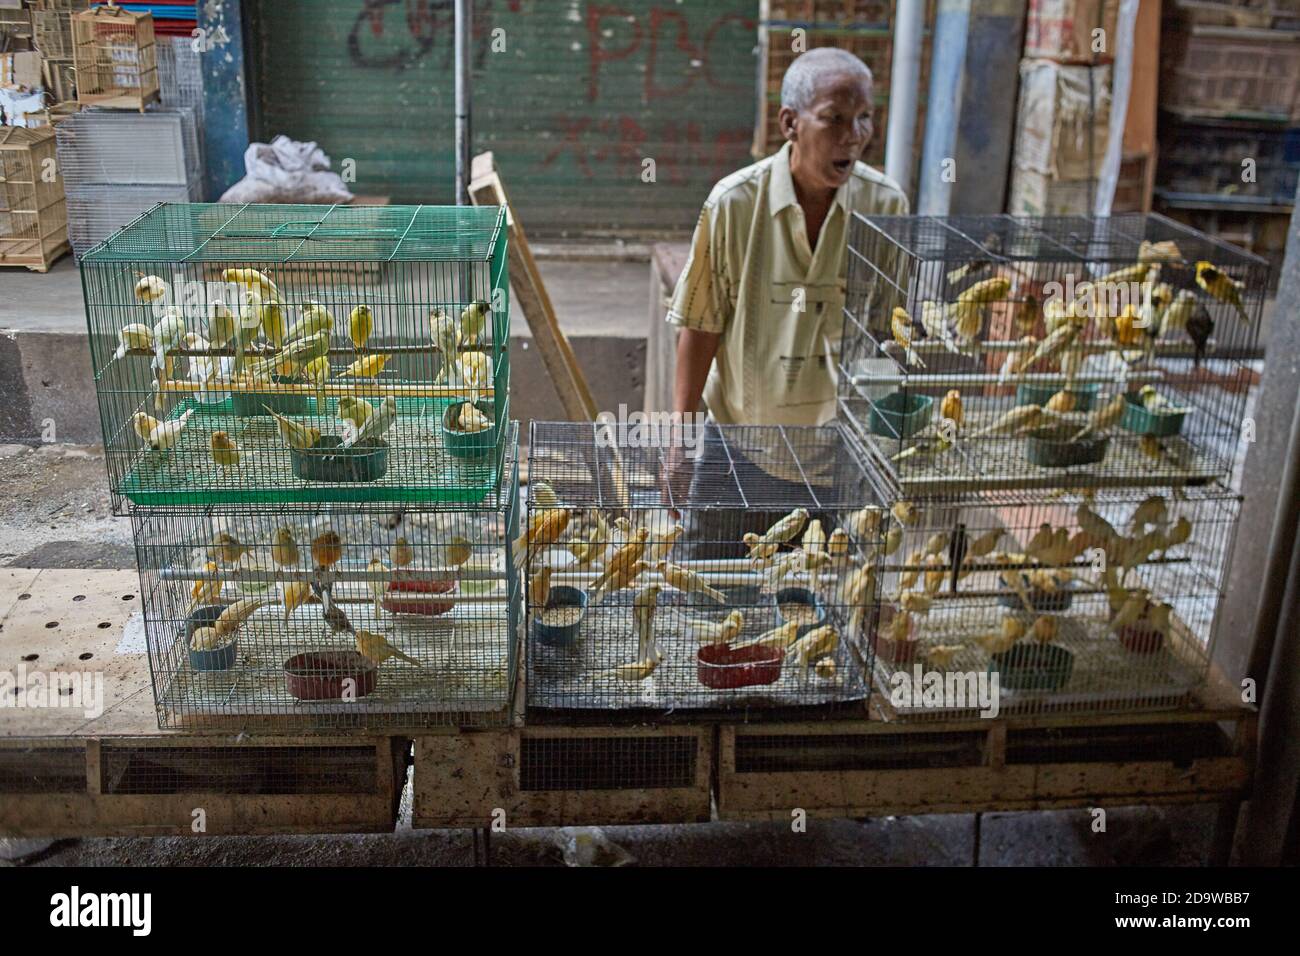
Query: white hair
column 799, row 85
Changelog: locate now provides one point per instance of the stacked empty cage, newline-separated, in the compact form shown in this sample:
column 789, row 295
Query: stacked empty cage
column 304, row 412
column 1057, row 406
column 722, row 568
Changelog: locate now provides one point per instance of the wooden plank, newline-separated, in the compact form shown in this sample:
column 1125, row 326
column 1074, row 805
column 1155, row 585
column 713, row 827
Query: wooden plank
column 486, row 189
column 472, row 779
column 97, row 813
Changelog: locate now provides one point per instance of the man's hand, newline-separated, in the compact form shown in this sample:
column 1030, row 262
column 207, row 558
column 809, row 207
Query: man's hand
column 675, row 478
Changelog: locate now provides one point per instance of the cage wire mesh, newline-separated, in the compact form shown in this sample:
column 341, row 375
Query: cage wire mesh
column 301, row 353
column 1099, row 601
column 304, row 616
column 159, row 147
column 1010, row 353
column 96, row 212
column 741, row 578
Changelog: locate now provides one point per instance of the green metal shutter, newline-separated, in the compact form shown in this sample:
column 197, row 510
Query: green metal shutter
column 581, row 95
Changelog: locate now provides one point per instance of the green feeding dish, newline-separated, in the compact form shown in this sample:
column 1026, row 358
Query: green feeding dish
column 1085, row 396
column 468, row 444
column 328, row 460
column 1033, row 667
column 1053, row 448
column 1141, row 421
column 900, row 415
column 251, row 404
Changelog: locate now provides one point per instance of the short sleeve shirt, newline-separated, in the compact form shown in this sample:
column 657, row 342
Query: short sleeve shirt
column 778, row 304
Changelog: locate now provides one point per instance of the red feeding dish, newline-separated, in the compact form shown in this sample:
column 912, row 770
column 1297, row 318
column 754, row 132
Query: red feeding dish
column 722, row 667
column 407, row 585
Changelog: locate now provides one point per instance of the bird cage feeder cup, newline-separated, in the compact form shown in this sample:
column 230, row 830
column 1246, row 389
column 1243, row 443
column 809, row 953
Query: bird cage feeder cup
column 1033, row 667
column 1058, row 448
column 1143, row 421
column 333, row 461
column 1084, row 396
column 293, row 353
column 329, row 675
column 115, row 58
column 1040, row 600
column 222, row 655
column 559, row 623
column 722, row 667
column 901, row 415
column 409, row 593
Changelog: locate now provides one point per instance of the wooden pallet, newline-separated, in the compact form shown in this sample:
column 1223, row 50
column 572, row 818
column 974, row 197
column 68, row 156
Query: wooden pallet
column 64, row 772
column 564, row 776
column 874, row 768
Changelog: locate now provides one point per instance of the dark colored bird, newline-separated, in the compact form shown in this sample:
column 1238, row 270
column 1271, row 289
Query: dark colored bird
column 957, row 554
column 1200, row 327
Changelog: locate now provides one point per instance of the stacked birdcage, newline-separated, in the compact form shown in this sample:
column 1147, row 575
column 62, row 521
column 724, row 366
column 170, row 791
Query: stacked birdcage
column 305, row 411
column 115, row 58
column 712, row 569
column 1057, row 406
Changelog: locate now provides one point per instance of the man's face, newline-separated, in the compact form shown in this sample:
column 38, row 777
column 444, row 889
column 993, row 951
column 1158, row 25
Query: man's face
column 831, row 134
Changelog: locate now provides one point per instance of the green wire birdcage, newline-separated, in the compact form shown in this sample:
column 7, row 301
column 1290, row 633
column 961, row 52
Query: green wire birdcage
column 271, row 354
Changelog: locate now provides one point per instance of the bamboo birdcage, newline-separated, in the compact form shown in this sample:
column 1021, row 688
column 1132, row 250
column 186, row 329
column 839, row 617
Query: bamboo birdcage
column 115, row 58
column 33, row 213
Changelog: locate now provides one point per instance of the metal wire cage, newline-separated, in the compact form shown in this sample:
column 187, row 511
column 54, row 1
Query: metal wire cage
column 1076, row 603
column 115, row 58
column 301, row 353
column 736, row 570
column 332, row 616
column 1012, row 353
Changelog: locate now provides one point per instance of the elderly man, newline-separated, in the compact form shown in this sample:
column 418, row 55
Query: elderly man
column 760, row 302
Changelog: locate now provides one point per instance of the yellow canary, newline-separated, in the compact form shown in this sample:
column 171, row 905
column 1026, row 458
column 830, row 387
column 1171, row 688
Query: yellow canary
column 633, row 671
column 133, row 337
column 315, row 320
column 941, row 655
column 543, row 530
column 1044, row 629
column 1128, row 330
column 989, row 290
column 459, row 551
column 475, row 368
column 778, row 638
column 227, row 549
column 900, row 324
column 539, row 589
column 366, row 367
column 272, row 320
column 905, row 511
column 235, row 615
column 865, row 523
column 722, row 632
column 815, row 644
column 295, row 594
column 326, row 549
column 317, row 372
column 622, row 560
column 688, row 581
column 1103, row 418
column 837, row 545
column 150, row 289
column 284, row 550
column 1063, row 401
column 472, row 321
column 376, row 648
column 355, row 410
column 252, row 279
column 1222, row 286
column 893, row 540
column 360, row 324
column 446, row 336
column 295, row 435
column 470, row 419
column 401, row 553
column 951, row 408
column 205, row 590
column 208, row 639
column 162, row 435
column 224, row 450
column 377, row 584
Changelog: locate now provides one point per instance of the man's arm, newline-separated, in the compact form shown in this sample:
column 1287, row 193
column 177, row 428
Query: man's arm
column 695, row 352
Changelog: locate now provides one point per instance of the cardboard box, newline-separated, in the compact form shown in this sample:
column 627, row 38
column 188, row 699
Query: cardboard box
column 1039, row 194
column 1063, row 30
column 1054, row 135
column 21, row 70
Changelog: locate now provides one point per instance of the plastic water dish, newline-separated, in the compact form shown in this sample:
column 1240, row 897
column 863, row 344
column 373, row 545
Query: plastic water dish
column 1040, row 601
column 1085, row 396
column 807, row 599
column 1139, row 420
column 1032, row 667
column 218, row 658
column 722, row 667
column 328, row 460
column 252, row 404
column 1052, row 448
column 468, row 444
column 561, row 635
column 900, row 414
column 329, row 675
